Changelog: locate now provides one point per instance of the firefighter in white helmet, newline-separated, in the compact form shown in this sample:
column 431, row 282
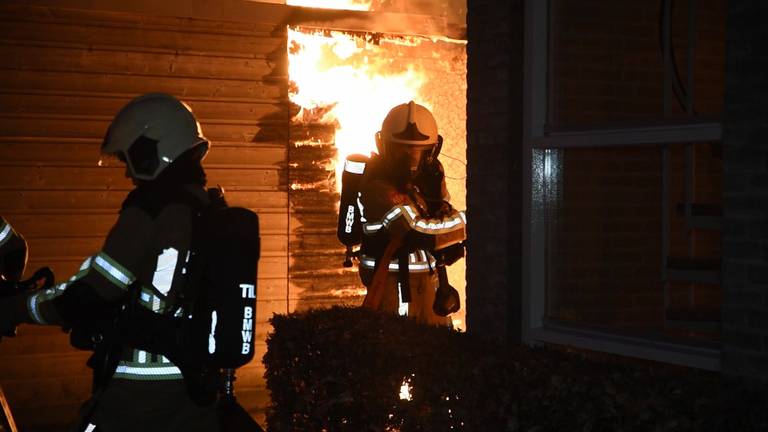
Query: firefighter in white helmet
column 409, row 227
column 145, row 255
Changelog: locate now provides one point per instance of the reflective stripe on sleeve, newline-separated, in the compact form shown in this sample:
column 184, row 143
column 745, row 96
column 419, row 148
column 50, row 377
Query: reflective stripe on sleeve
column 392, row 214
column 354, row 167
column 416, row 222
column 5, row 233
column 85, row 267
column 86, row 264
column 34, row 312
column 41, row 296
column 370, row 228
column 431, row 226
column 34, row 300
column 437, row 226
column 113, row 271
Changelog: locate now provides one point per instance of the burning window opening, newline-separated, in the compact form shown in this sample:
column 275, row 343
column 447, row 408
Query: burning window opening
column 343, row 83
column 358, row 5
column 349, row 81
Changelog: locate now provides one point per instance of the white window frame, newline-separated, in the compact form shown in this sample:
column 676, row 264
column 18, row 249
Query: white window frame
column 535, row 136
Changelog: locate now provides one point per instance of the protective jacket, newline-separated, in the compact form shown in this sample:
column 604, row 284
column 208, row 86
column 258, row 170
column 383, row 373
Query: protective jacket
column 13, row 252
column 146, row 254
column 389, row 211
column 6, row 234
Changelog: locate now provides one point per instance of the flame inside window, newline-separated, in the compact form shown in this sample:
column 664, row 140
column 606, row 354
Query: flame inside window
column 361, row 5
column 350, row 81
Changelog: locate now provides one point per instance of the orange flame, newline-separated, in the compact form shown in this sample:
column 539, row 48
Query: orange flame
column 360, row 5
column 346, row 80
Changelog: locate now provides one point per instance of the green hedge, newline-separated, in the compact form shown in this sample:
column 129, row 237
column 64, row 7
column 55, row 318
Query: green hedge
column 342, row 369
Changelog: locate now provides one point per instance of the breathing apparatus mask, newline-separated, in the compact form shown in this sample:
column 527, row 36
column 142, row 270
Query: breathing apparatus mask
column 408, row 141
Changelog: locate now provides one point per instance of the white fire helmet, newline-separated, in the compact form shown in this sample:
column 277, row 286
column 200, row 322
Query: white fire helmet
column 150, row 132
column 407, row 124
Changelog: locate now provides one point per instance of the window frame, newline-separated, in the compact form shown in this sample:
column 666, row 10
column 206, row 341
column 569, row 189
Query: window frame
column 535, row 329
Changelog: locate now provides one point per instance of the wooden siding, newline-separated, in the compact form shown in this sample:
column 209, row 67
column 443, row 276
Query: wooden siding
column 316, row 275
column 68, row 69
column 65, row 73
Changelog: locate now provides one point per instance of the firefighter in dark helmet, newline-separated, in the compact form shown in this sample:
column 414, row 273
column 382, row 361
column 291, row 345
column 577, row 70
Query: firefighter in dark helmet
column 13, row 260
column 145, row 254
column 409, row 228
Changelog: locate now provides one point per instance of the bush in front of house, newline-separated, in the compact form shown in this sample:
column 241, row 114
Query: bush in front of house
column 350, row 369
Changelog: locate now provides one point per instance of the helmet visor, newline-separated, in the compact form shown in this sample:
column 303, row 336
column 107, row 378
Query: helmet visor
column 413, row 155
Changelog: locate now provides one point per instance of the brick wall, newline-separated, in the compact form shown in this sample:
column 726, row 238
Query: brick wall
column 745, row 309
column 494, row 169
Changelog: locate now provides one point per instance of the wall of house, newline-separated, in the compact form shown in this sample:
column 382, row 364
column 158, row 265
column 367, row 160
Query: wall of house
column 605, row 242
column 745, row 236
column 72, row 64
column 66, row 71
column 494, row 167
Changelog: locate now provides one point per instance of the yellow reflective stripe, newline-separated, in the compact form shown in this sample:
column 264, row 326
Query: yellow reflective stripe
column 416, row 222
column 415, row 266
column 431, row 226
column 113, row 271
column 5, row 233
column 409, row 210
column 391, row 215
column 437, row 226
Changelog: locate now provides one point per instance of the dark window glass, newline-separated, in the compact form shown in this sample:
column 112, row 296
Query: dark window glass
column 605, row 63
column 602, row 212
